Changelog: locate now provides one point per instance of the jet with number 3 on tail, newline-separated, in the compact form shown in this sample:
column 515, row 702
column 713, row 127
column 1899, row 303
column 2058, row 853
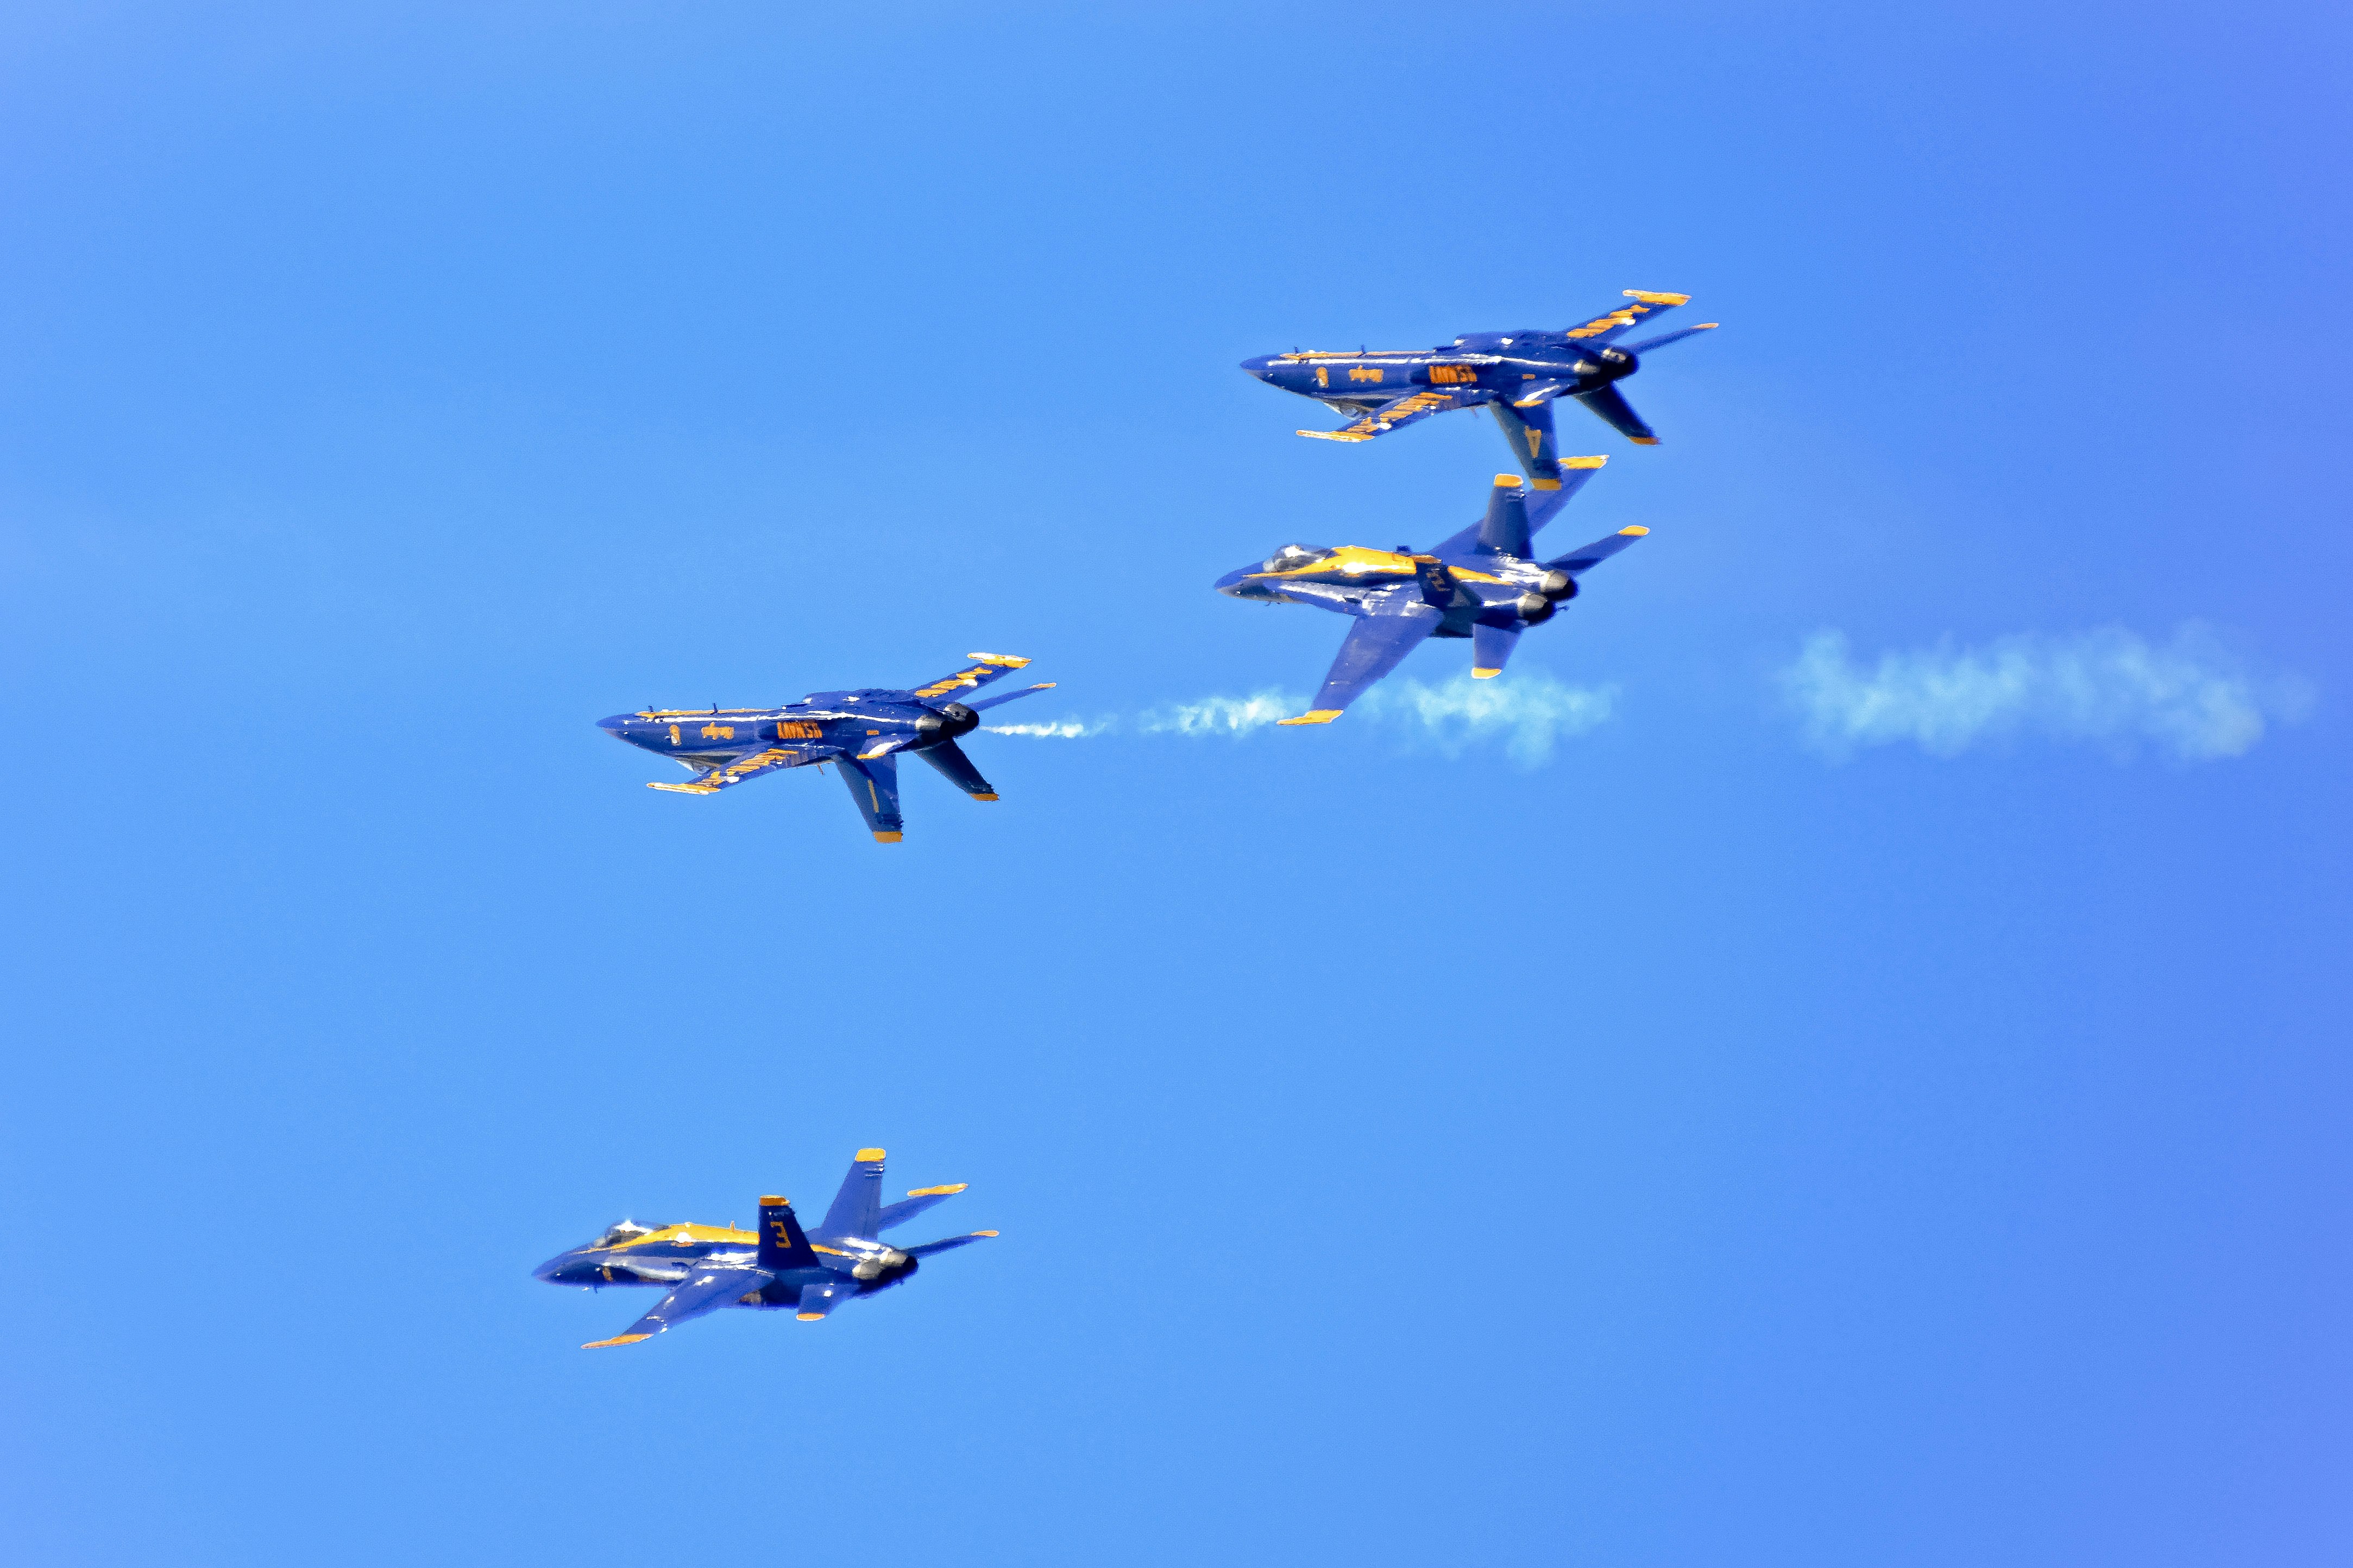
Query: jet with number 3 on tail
column 1483, row 583
column 864, row 733
column 779, row 1266
column 1518, row 375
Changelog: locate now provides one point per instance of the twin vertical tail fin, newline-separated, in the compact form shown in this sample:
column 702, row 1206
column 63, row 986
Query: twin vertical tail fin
column 783, row 1244
column 1530, row 432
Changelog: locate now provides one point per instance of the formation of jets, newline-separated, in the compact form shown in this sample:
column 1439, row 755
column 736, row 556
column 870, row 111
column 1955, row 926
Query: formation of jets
column 1486, row 585
column 1483, row 585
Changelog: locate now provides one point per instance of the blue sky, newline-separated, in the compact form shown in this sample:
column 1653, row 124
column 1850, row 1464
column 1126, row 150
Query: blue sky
column 1867, row 1085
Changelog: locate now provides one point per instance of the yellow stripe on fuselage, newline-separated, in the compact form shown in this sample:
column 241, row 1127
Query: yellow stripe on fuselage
column 687, row 1233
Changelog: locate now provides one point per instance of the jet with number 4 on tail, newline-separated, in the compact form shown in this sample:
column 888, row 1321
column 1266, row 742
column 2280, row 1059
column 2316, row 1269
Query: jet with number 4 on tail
column 702, row 1267
column 864, row 733
column 1483, row 583
column 1517, row 374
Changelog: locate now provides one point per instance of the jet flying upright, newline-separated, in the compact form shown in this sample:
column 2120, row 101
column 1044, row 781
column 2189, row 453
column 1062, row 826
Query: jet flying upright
column 1517, row 374
column 863, row 731
column 706, row 1267
column 1483, row 584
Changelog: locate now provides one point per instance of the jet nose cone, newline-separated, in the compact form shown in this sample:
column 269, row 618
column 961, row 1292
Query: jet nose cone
column 1260, row 367
column 1231, row 580
column 616, row 724
column 552, row 1267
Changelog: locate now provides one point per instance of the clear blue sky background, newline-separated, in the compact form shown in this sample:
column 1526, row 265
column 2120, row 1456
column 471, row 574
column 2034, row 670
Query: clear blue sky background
column 1695, row 1148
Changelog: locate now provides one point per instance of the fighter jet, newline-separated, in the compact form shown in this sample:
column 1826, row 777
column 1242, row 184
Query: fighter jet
column 1517, row 374
column 863, row 731
column 706, row 1267
column 1482, row 584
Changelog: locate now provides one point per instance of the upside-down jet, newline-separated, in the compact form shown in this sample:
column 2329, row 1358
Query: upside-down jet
column 863, row 731
column 1518, row 375
column 1482, row 584
column 706, row 1267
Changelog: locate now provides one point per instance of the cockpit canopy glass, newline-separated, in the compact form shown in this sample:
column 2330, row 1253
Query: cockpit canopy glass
column 626, row 1230
column 1296, row 558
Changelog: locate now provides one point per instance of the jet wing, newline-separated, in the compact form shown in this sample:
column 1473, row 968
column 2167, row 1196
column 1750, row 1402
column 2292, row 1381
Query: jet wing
column 1376, row 644
column 1640, row 306
column 710, row 780
column 1396, row 414
column 1578, row 561
column 706, row 1289
column 982, row 669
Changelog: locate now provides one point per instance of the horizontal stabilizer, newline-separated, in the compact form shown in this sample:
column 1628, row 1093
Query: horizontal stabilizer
column 957, row 769
column 951, row 1244
column 999, row 701
column 1532, row 392
column 1664, row 339
column 1618, row 414
column 914, row 1203
column 1595, row 553
column 1490, row 649
column 824, row 1295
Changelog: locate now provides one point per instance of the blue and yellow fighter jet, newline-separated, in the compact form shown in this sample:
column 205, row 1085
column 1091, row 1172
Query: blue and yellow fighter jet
column 707, row 1267
column 1517, row 374
column 1481, row 585
column 863, row 731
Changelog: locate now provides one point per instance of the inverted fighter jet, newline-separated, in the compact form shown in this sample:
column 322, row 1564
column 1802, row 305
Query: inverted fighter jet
column 1483, row 584
column 863, row 731
column 704, row 1267
column 1517, row 374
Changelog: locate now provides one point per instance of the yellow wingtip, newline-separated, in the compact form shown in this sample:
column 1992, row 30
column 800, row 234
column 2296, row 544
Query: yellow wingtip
column 867, row 1154
column 984, row 797
column 1583, row 462
column 988, row 1233
column 888, row 838
column 1643, row 440
column 1650, row 298
column 1318, row 716
column 615, row 1339
column 1477, row 674
column 1707, row 326
column 1635, row 532
column 1000, row 660
column 810, row 1317
column 939, row 1191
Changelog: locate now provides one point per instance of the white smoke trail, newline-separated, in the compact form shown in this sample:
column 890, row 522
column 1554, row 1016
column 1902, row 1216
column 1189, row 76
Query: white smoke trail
column 1530, row 712
column 2190, row 697
column 1064, row 729
column 1220, row 715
